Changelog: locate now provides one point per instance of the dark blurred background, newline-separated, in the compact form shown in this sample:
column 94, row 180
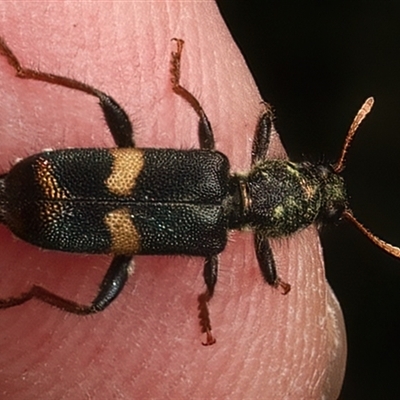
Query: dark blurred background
column 316, row 62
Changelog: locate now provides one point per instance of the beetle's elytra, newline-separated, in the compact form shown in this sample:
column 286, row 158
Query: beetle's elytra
column 127, row 201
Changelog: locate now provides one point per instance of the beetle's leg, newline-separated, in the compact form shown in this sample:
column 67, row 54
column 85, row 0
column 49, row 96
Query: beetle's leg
column 206, row 135
column 262, row 135
column 266, row 262
column 109, row 289
column 210, row 274
column 116, row 118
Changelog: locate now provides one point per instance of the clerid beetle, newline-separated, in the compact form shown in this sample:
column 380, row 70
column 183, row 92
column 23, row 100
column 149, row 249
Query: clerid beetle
column 126, row 200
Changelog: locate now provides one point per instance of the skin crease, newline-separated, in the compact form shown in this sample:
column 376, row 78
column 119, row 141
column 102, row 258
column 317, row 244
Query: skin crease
column 147, row 344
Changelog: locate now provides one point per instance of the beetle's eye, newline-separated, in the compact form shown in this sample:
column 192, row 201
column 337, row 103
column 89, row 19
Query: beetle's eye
column 333, row 212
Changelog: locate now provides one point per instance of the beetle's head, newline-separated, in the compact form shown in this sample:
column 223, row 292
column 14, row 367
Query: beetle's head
column 334, row 195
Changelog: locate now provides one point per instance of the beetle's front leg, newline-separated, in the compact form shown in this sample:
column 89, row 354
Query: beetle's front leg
column 266, row 262
column 262, row 135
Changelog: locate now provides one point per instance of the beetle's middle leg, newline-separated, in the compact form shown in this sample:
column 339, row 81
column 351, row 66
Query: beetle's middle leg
column 206, row 135
column 210, row 274
column 116, row 118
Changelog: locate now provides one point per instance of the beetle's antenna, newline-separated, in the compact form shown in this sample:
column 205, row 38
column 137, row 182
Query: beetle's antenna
column 362, row 113
column 392, row 250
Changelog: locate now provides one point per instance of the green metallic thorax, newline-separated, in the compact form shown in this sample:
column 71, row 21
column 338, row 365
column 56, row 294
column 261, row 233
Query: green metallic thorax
column 283, row 197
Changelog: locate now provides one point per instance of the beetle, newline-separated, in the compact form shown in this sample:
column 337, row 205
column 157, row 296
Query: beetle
column 128, row 201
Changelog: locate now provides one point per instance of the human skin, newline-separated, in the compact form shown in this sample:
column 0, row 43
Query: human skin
column 147, row 344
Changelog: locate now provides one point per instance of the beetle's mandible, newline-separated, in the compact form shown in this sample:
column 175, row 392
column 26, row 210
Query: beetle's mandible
column 128, row 201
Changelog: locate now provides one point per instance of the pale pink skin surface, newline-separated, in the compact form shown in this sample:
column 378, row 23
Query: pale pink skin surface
column 147, row 344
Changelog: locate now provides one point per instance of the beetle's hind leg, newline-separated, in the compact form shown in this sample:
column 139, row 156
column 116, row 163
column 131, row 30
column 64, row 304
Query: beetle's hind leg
column 109, row 289
column 116, row 118
column 206, row 135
